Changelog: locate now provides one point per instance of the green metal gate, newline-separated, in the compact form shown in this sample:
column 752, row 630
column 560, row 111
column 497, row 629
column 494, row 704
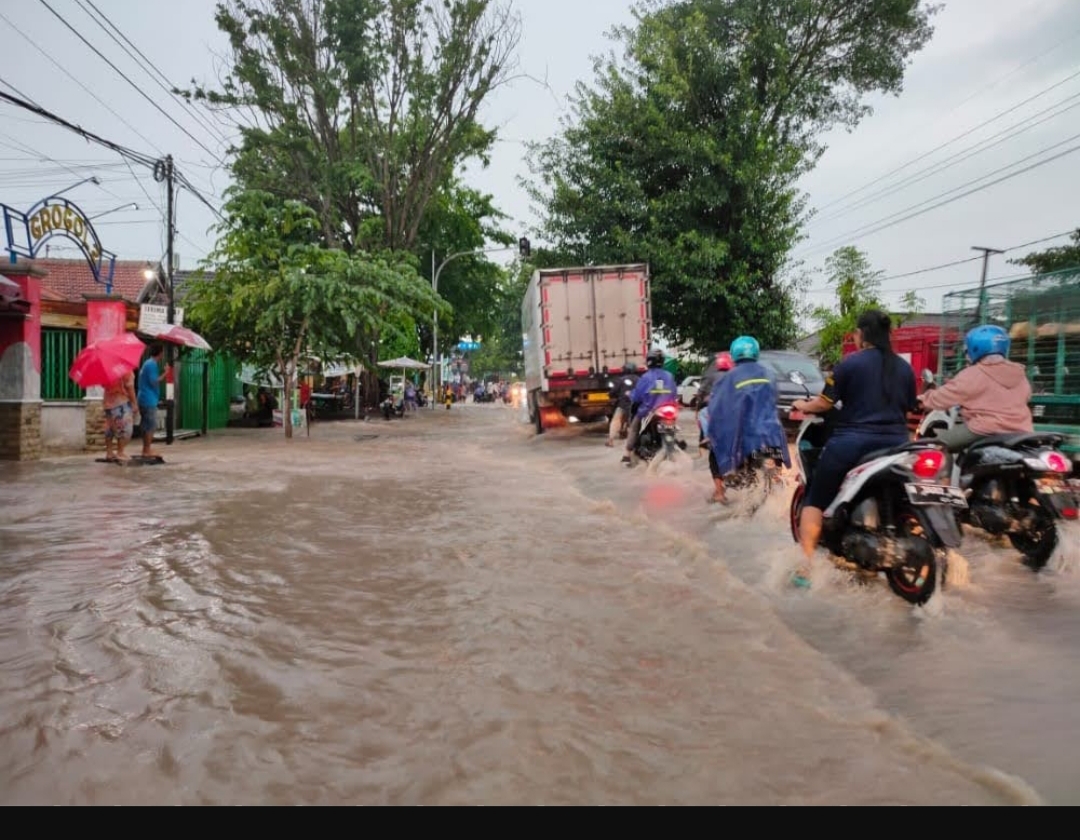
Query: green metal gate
column 59, row 347
column 223, row 382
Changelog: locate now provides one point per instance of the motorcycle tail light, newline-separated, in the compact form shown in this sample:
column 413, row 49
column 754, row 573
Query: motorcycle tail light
column 668, row 413
column 928, row 463
column 1070, row 513
column 1057, row 462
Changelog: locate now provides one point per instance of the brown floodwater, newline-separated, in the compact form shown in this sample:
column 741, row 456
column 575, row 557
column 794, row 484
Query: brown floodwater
column 448, row 610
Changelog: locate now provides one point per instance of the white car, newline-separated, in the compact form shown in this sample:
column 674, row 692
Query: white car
column 688, row 390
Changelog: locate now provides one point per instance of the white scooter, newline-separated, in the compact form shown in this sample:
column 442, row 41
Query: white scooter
column 894, row 512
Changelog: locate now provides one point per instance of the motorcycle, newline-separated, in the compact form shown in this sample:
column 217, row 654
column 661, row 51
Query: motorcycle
column 660, row 433
column 1016, row 484
column 892, row 514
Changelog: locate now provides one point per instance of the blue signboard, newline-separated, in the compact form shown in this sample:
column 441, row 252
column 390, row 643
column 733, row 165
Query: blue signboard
column 54, row 216
column 465, row 346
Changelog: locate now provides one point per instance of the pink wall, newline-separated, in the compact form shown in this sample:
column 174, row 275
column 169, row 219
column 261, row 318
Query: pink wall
column 20, row 345
column 105, row 318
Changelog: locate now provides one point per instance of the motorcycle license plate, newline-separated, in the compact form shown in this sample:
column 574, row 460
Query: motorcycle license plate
column 935, row 494
column 597, row 397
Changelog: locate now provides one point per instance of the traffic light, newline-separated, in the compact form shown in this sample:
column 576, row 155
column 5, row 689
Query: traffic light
column 524, row 248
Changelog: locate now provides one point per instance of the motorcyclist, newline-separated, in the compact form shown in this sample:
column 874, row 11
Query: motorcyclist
column 742, row 418
column 622, row 388
column 721, row 365
column 876, row 390
column 992, row 392
column 655, row 388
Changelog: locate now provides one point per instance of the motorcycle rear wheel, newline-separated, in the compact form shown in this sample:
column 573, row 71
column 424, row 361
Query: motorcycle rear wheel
column 915, row 586
column 1038, row 543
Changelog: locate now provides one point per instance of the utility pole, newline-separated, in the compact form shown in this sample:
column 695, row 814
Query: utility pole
column 170, row 387
column 982, row 283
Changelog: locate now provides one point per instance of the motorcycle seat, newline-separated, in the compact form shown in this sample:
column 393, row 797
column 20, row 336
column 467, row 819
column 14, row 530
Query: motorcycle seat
column 1014, row 439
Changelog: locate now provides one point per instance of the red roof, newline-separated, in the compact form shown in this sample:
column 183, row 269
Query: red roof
column 71, row 279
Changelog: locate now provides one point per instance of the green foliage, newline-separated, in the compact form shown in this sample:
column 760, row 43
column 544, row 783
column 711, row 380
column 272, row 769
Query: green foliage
column 686, row 153
column 277, row 294
column 502, row 347
column 1053, row 259
column 363, row 111
column 858, row 288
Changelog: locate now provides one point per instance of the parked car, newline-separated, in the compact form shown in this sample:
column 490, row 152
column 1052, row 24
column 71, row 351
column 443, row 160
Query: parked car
column 688, row 390
column 784, row 363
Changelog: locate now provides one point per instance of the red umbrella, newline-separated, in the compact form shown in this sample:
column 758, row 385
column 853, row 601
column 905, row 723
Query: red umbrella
column 177, row 335
column 106, row 361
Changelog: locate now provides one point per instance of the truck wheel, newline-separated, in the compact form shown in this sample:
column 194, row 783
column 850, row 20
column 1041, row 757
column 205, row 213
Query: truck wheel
column 534, row 414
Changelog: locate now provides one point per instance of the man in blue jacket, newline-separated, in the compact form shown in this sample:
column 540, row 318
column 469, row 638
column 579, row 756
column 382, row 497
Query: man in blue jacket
column 655, row 388
column 743, row 419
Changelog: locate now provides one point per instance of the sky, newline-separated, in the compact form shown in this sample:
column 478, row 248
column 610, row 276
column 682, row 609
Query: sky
column 996, row 91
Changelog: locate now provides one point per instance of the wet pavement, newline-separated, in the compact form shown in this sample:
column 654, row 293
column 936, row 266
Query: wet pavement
column 448, row 609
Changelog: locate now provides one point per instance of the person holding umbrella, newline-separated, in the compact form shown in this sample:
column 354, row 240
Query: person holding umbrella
column 121, row 409
column 150, row 376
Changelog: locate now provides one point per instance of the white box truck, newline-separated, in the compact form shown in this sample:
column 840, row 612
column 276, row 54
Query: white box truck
column 580, row 327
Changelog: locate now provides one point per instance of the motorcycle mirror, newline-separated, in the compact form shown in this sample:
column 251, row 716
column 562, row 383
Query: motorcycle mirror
column 927, row 377
column 797, row 377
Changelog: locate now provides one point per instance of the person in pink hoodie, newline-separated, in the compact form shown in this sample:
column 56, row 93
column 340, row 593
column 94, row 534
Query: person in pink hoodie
column 992, row 392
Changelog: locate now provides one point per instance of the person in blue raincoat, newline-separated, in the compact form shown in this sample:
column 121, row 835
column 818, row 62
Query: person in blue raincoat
column 743, row 419
column 655, row 388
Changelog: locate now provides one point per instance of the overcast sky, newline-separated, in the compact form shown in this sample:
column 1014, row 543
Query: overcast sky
column 986, row 58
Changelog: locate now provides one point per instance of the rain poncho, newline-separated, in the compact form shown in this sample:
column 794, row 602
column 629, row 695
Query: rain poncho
column 655, row 388
column 743, row 417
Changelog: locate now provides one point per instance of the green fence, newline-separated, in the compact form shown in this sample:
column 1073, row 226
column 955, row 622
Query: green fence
column 59, row 347
column 223, row 385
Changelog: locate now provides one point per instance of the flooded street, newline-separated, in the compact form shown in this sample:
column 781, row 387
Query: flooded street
column 449, row 610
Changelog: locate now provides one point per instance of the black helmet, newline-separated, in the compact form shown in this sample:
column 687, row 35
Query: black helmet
column 629, row 368
column 655, row 358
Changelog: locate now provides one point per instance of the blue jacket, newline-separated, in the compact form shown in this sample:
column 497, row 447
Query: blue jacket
column 655, row 388
column 743, row 417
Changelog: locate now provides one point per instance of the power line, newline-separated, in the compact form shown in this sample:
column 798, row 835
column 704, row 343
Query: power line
column 952, row 264
column 124, row 76
column 65, row 71
column 883, row 224
column 959, row 157
column 210, row 129
column 960, row 136
column 145, row 160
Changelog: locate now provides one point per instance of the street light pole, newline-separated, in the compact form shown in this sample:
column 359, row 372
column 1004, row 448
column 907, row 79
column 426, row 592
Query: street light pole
column 435, row 272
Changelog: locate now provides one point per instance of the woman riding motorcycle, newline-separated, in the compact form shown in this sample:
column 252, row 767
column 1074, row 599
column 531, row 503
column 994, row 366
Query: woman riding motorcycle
column 655, row 388
column 992, row 392
column 875, row 389
column 742, row 419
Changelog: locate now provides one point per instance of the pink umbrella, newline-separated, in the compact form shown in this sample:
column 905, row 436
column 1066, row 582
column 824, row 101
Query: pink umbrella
column 106, row 361
column 177, row 335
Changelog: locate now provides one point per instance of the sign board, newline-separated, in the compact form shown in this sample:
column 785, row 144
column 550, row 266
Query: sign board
column 152, row 315
column 27, row 233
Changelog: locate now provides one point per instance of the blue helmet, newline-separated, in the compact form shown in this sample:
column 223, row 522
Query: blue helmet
column 987, row 340
column 745, row 348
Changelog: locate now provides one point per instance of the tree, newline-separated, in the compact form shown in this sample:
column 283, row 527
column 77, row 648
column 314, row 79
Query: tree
column 363, row 110
column 1053, row 259
column 277, row 294
column 686, row 153
column 858, row 288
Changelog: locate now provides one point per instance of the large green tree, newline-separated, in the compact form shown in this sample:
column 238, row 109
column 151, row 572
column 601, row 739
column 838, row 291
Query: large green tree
column 278, row 294
column 364, row 110
column 686, row 152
